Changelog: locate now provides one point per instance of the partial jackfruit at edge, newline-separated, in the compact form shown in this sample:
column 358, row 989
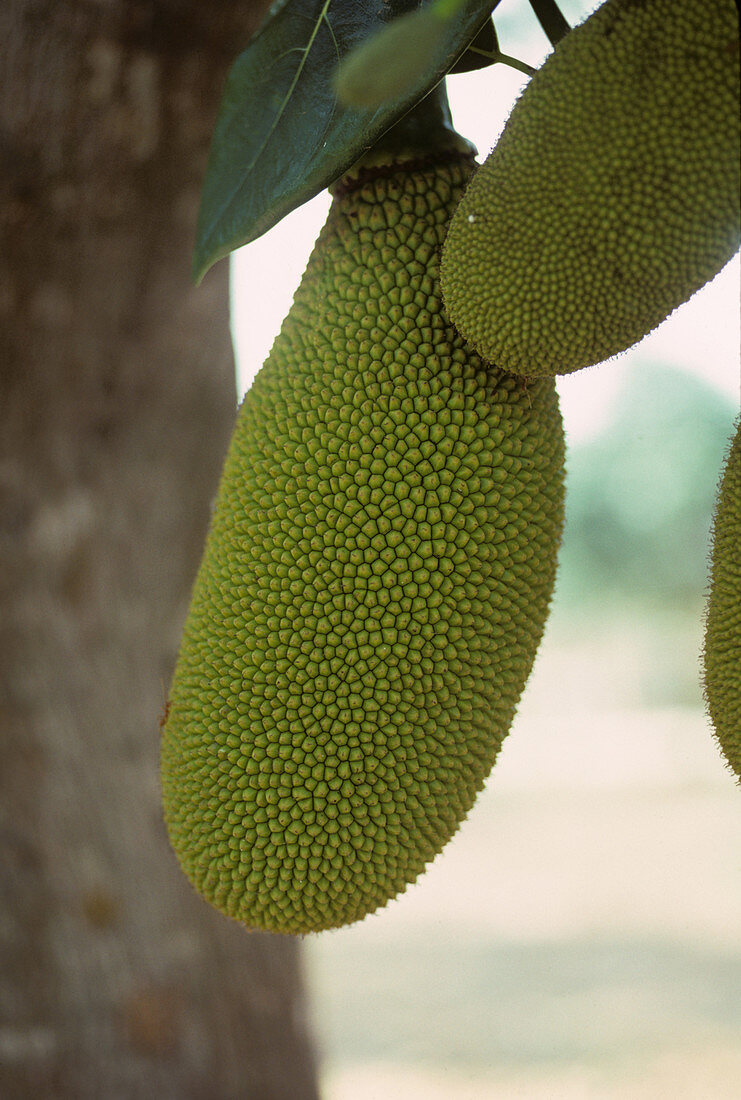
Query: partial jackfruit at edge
column 612, row 195
column 374, row 585
column 722, row 651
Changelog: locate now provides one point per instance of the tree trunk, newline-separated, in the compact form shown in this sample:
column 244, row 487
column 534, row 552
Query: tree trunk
column 116, row 403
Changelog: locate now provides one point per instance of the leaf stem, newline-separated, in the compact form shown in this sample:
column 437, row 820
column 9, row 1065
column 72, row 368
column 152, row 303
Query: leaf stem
column 505, row 59
column 515, row 63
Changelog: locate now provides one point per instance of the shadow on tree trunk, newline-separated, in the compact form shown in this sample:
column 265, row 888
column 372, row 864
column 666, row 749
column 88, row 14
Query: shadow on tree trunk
column 116, row 404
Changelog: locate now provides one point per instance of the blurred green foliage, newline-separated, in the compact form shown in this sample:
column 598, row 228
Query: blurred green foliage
column 641, row 496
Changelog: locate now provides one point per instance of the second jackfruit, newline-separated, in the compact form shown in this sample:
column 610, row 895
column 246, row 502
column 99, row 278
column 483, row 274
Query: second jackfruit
column 374, row 586
column 722, row 651
column 612, row 195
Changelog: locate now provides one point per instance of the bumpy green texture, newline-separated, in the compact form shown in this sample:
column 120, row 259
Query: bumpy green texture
column 374, row 585
column 612, row 195
column 722, row 657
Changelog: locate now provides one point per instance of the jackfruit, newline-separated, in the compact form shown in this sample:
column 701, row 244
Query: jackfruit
column 374, row 585
column 722, row 651
column 612, row 195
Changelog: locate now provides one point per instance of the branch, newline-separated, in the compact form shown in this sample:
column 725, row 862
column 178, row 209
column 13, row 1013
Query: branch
column 548, row 14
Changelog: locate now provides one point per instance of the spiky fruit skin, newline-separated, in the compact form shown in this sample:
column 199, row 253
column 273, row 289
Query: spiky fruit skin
column 612, row 194
column 722, row 653
column 374, row 585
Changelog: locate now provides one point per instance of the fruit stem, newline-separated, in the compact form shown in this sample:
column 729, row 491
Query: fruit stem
column 425, row 130
column 548, row 14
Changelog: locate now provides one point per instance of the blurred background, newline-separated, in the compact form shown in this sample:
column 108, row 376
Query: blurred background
column 580, row 936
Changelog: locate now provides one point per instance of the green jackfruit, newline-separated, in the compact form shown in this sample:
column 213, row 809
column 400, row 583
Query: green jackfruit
column 374, row 585
column 612, row 195
column 722, row 654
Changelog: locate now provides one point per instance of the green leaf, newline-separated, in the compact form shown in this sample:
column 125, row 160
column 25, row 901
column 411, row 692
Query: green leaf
column 281, row 136
column 392, row 60
column 479, row 54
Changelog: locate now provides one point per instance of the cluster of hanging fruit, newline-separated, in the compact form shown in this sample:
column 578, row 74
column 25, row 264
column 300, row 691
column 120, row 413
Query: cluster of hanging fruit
column 384, row 543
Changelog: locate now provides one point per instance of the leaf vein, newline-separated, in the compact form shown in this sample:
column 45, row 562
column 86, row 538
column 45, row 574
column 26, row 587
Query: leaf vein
column 291, row 89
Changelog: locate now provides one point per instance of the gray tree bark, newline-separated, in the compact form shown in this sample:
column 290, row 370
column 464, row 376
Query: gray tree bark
column 117, row 399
